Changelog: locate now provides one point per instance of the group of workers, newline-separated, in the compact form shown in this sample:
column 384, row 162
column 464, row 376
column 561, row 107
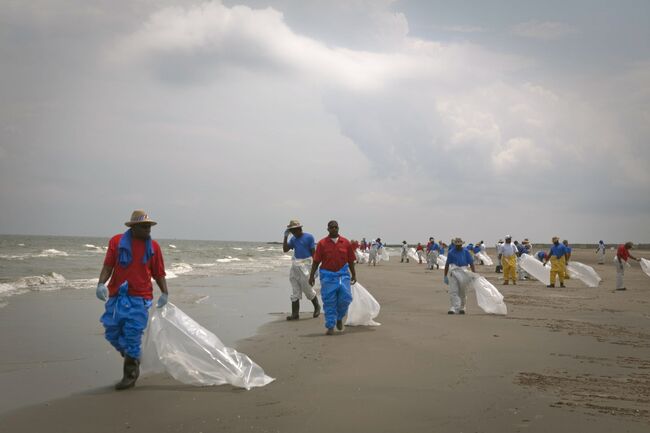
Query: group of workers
column 133, row 259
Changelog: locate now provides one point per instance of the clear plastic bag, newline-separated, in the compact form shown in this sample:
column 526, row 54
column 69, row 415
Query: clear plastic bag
column 645, row 266
column 303, row 264
column 176, row 344
column 363, row 309
column 484, row 258
column 535, row 268
column 487, row 296
column 412, row 254
column 584, row 273
column 383, row 254
column 362, row 256
column 442, row 260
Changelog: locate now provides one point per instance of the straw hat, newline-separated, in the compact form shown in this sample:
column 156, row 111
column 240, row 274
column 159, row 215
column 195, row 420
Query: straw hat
column 139, row 217
column 555, row 238
column 458, row 241
column 294, row 224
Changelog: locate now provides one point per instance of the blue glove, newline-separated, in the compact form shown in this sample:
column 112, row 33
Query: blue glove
column 101, row 292
column 446, row 280
column 162, row 300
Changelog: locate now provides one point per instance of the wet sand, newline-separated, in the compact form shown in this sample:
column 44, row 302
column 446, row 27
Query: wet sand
column 574, row 359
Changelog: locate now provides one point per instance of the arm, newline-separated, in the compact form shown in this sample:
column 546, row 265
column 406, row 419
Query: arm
column 285, row 245
column 312, row 273
column 105, row 274
column 162, row 284
column 353, row 273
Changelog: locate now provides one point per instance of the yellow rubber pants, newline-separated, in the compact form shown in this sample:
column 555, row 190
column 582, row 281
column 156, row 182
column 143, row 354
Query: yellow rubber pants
column 558, row 267
column 509, row 268
column 566, row 271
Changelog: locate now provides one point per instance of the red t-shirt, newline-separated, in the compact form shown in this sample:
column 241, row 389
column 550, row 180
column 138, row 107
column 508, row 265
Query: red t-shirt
column 137, row 274
column 419, row 248
column 622, row 252
column 333, row 256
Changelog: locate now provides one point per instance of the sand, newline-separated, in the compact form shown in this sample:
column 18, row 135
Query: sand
column 574, row 359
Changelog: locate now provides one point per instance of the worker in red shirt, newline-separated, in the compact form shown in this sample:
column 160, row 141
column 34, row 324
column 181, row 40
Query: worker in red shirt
column 622, row 254
column 131, row 261
column 335, row 256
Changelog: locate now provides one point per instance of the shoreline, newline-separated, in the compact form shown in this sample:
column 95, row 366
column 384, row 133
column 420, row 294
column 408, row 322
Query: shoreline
column 562, row 359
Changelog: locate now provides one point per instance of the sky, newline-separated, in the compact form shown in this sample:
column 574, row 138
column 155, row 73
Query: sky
column 399, row 119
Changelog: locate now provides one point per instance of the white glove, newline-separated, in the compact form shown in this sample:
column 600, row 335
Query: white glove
column 287, row 233
column 101, row 292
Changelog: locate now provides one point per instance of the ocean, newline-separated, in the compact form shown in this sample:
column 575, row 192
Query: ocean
column 51, row 263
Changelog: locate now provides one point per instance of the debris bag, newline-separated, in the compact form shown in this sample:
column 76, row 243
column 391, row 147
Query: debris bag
column 487, row 296
column 535, row 268
column 362, row 256
column 363, row 309
column 484, row 258
column 176, row 344
column 382, row 254
column 442, row 260
column 412, row 254
column 645, row 265
column 303, row 264
column 584, row 273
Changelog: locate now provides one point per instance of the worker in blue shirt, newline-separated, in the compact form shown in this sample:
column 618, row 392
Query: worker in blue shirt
column 303, row 246
column 433, row 250
column 558, row 262
column 567, row 257
column 458, row 258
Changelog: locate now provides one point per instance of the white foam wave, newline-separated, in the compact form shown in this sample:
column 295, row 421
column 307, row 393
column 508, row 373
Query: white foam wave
column 21, row 245
column 95, row 248
column 44, row 283
column 228, row 259
column 52, row 253
column 172, row 246
column 237, row 248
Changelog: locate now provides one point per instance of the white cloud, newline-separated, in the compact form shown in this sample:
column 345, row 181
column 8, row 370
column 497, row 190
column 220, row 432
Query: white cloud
column 544, row 30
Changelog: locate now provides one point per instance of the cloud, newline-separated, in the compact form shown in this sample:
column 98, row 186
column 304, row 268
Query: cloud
column 544, row 30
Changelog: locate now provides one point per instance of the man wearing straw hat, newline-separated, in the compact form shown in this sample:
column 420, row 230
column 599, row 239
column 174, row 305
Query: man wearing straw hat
column 455, row 277
column 131, row 261
column 303, row 246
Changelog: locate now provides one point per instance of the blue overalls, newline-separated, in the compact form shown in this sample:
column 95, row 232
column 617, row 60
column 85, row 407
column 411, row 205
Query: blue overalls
column 125, row 320
column 336, row 294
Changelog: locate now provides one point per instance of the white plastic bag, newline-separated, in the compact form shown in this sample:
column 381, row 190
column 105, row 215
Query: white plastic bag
column 645, row 265
column 535, row 268
column 584, row 273
column 363, row 309
column 382, row 254
column 487, row 296
column 303, row 264
column 413, row 255
column 191, row 354
column 485, row 258
column 442, row 260
column 362, row 256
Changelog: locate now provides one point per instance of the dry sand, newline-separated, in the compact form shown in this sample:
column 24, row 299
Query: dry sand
column 574, row 359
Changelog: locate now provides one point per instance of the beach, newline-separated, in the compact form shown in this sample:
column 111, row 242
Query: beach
column 573, row 359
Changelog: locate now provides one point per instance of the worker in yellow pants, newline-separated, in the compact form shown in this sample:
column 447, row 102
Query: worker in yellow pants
column 508, row 254
column 557, row 257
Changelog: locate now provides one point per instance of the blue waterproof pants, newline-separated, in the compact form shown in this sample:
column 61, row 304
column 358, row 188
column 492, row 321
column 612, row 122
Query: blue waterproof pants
column 125, row 320
column 336, row 294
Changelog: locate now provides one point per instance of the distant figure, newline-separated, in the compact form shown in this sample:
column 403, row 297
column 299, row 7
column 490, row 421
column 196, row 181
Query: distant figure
column 303, row 246
column 567, row 258
column 443, row 248
column 622, row 254
column 405, row 251
column 558, row 262
column 475, row 251
column 433, row 251
column 600, row 250
column 509, row 261
column 419, row 250
column 335, row 257
column 541, row 256
column 498, row 246
column 457, row 259
column 364, row 245
column 132, row 260
column 374, row 250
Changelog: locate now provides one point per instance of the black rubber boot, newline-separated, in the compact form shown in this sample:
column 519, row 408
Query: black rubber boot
column 316, row 306
column 131, row 373
column 295, row 310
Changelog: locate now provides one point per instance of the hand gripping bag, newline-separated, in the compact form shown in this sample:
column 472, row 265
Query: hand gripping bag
column 584, row 273
column 176, row 344
column 535, row 268
column 363, row 309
